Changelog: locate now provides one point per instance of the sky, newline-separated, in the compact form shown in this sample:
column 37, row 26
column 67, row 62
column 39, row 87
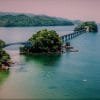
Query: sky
column 85, row 10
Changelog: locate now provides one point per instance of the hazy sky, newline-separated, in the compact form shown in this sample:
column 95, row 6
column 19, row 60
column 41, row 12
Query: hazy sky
column 71, row 9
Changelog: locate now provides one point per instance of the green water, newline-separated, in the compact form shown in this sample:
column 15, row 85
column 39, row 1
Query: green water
column 72, row 76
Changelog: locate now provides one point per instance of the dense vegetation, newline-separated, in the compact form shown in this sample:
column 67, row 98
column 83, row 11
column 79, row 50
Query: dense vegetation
column 44, row 41
column 2, row 43
column 4, row 57
column 87, row 26
column 15, row 20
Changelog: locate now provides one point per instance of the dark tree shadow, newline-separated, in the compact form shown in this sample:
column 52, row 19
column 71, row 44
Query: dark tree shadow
column 46, row 60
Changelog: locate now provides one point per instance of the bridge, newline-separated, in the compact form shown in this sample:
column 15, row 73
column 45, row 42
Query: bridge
column 72, row 35
column 26, row 43
column 64, row 38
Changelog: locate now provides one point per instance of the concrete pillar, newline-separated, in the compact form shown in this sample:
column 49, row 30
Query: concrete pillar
column 66, row 37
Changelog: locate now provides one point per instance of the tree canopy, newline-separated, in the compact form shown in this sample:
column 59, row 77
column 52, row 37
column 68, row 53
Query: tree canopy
column 18, row 20
column 87, row 26
column 2, row 43
column 4, row 56
column 44, row 41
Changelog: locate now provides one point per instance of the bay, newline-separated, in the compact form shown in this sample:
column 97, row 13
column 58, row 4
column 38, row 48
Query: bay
column 73, row 75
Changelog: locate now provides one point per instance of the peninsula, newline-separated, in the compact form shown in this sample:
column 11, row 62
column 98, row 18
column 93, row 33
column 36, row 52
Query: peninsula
column 24, row 20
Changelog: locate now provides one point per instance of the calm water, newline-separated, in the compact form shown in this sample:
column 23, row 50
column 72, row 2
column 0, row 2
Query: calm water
column 74, row 75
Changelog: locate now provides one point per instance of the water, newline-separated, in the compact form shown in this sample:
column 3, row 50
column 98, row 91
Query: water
column 74, row 75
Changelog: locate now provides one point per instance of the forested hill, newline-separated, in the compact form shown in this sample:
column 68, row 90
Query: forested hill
column 20, row 20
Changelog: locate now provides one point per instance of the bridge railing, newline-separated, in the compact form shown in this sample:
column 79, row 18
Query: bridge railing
column 26, row 43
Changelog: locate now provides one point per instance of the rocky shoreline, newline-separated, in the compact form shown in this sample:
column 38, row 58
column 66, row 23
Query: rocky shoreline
column 65, row 49
column 6, row 65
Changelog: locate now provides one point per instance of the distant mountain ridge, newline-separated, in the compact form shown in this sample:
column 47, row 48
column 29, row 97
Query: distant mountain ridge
column 8, row 19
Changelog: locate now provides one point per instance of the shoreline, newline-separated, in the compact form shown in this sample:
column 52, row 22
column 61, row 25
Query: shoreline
column 6, row 65
column 64, row 50
column 51, row 53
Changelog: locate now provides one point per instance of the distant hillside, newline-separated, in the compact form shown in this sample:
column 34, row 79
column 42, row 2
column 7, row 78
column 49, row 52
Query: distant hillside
column 76, row 22
column 20, row 20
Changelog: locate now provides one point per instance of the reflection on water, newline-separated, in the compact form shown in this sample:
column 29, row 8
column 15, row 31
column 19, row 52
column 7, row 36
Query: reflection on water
column 44, row 65
column 3, row 76
column 46, row 60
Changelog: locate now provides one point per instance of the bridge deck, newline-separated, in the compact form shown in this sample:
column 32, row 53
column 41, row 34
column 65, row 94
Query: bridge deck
column 18, row 43
column 71, row 35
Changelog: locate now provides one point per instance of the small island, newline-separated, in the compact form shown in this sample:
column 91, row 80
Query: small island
column 43, row 42
column 87, row 27
column 5, row 60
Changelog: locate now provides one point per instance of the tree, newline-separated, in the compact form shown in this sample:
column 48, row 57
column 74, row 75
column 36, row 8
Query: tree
column 2, row 43
column 87, row 26
column 4, row 57
column 44, row 41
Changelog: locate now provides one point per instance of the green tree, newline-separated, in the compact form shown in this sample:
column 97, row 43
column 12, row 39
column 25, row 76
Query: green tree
column 2, row 43
column 92, row 27
column 4, row 56
column 44, row 41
